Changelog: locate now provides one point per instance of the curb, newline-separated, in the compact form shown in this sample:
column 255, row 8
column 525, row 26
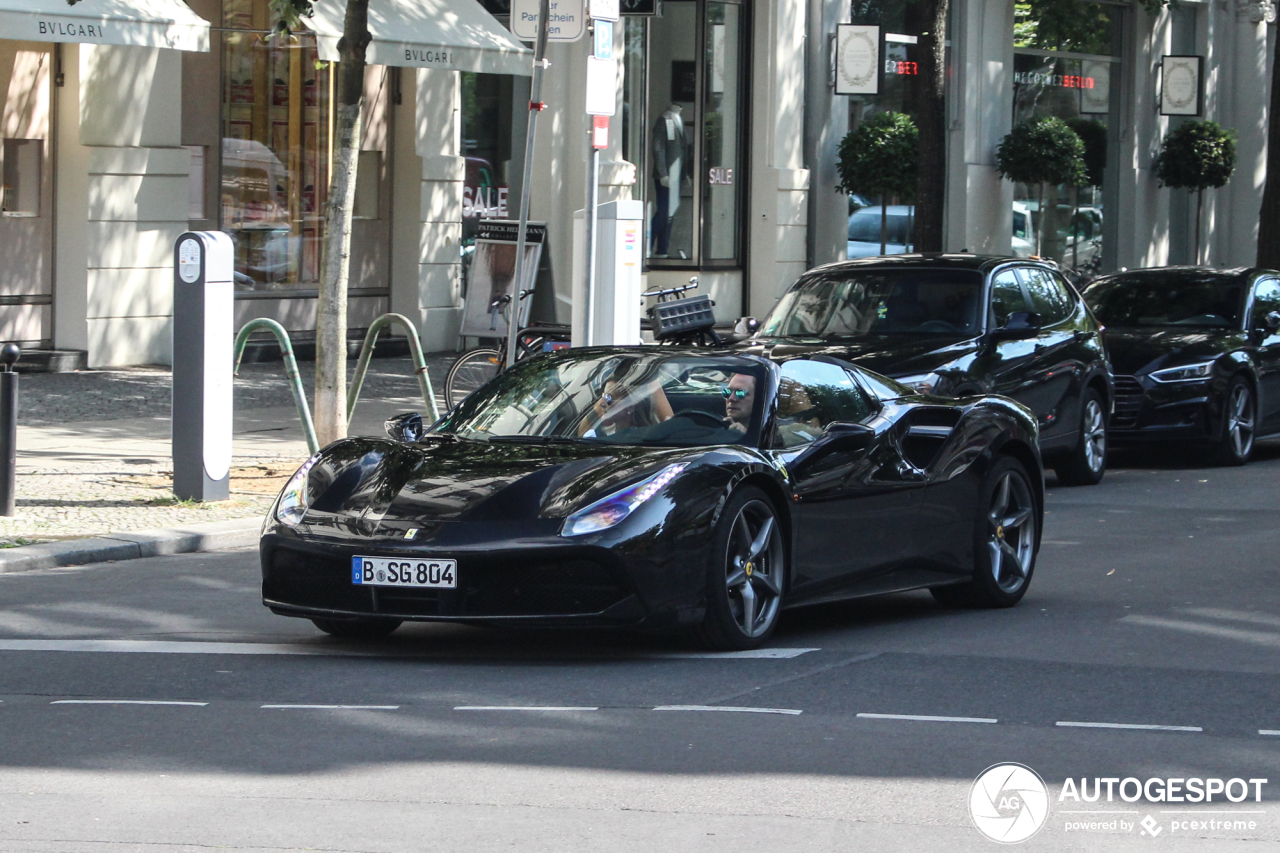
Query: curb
column 213, row 536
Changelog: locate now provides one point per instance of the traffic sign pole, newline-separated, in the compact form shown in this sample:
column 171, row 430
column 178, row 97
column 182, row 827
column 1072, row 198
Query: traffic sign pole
column 602, row 102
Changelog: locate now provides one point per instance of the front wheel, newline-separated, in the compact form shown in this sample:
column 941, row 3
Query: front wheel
column 1088, row 461
column 1005, row 541
column 746, row 576
column 472, row 369
column 1238, row 418
column 366, row 628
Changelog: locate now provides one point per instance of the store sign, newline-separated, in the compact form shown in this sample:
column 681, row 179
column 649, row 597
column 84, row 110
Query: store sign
column 567, row 21
column 908, row 69
column 857, row 60
column 484, row 202
column 720, row 176
column 1181, row 85
column 1064, row 81
column 1096, row 100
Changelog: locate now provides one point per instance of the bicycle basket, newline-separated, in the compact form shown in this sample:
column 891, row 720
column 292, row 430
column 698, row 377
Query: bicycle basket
column 682, row 315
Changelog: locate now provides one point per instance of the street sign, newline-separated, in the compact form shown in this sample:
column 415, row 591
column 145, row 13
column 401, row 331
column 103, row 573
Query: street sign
column 599, row 132
column 568, row 20
column 604, row 10
column 640, row 7
column 603, row 44
column 602, row 86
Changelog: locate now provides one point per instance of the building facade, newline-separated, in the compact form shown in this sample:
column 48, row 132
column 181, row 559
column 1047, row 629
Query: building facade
column 727, row 130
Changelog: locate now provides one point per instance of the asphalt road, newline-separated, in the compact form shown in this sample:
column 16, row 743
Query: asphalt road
column 137, row 707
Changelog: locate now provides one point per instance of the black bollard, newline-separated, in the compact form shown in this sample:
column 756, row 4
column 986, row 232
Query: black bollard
column 9, row 354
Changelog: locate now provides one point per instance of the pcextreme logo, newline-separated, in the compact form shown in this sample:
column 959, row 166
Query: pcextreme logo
column 1009, row 803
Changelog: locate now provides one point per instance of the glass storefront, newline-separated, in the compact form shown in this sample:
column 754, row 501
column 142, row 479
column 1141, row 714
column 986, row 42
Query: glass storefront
column 683, row 119
column 276, row 150
column 1067, row 63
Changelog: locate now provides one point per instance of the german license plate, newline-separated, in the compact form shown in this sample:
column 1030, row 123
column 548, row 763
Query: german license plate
column 395, row 571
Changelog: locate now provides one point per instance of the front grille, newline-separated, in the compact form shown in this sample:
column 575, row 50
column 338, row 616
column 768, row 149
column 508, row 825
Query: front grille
column 486, row 587
column 1129, row 394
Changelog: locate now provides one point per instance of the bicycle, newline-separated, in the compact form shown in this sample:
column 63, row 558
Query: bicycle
column 685, row 322
column 477, row 366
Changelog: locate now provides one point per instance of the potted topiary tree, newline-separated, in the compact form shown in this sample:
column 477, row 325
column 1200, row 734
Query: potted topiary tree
column 1195, row 156
column 1042, row 151
column 880, row 157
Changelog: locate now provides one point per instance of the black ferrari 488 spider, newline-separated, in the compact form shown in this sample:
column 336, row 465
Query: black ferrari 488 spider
column 700, row 489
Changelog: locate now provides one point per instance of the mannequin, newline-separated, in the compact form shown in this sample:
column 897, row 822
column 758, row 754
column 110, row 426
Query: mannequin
column 668, row 157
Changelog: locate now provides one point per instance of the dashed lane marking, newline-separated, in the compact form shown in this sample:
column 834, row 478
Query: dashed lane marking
column 526, row 708
column 1146, row 727
column 1274, row 732
column 126, row 702
column 332, row 707
column 738, row 710
column 925, row 718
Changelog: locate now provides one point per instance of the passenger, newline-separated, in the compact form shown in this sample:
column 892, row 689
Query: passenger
column 619, row 407
column 739, row 401
column 798, row 421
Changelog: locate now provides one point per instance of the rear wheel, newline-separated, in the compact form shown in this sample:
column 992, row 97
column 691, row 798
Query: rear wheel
column 365, row 628
column 1004, row 554
column 1235, row 446
column 1086, row 464
column 746, row 576
column 472, row 369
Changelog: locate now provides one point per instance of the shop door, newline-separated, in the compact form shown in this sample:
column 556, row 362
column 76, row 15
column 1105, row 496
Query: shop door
column 26, row 197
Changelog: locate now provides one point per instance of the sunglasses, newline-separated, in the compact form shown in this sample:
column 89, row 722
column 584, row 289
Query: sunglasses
column 728, row 392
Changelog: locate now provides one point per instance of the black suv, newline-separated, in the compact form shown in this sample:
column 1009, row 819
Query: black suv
column 960, row 324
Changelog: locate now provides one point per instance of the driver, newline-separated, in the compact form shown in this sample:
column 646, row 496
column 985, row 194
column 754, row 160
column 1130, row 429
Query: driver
column 739, row 401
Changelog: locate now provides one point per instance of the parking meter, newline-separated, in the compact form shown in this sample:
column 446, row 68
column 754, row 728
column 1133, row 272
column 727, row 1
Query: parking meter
column 203, row 342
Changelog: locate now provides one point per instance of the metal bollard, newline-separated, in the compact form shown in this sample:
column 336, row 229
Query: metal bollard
column 9, row 354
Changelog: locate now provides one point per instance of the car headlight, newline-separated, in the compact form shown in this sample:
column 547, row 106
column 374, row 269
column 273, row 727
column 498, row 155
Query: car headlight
column 611, row 510
column 1186, row 373
column 922, row 383
column 293, row 501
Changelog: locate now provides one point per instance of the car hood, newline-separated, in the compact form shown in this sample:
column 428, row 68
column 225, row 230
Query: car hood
column 1137, row 351
column 888, row 355
column 378, row 487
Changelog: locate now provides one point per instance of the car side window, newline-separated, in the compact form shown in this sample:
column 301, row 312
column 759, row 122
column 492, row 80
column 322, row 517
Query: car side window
column 1266, row 298
column 813, row 395
column 1050, row 298
column 1006, row 297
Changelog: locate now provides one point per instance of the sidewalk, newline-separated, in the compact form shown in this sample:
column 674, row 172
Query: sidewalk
column 94, row 454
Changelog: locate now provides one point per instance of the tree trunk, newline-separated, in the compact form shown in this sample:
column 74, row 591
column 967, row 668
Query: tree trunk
column 884, row 224
column 331, row 319
column 1040, row 225
column 1269, row 216
column 931, row 180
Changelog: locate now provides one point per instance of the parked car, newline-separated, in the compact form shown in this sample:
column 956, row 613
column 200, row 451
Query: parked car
column 703, row 489
column 864, row 231
column 960, row 324
column 1196, row 354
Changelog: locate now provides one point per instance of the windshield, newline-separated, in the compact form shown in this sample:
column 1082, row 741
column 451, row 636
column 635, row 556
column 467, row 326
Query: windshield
column 854, row 303
column 1129, row 301
column 632, row 398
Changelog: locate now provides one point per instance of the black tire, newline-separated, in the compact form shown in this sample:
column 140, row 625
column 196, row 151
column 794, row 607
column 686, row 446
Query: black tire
column 1239, row 424
column 365, row 628
column 1001, row 569
column 744, row 558
column 472, row 369
column 1086, row 464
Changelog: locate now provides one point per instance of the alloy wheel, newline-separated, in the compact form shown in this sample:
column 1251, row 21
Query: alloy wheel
column 1012, row 540
column 1240, row 420
column 1095, row 436
column 754, row 568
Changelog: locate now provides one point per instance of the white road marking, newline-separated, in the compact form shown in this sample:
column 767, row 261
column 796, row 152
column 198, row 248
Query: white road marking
column 184, row 647
column 1136, row 726
column 928, row 719
column 1274, row 732
column 730, row 708
column 125, row 702
column 333, row 707
column 525, row 708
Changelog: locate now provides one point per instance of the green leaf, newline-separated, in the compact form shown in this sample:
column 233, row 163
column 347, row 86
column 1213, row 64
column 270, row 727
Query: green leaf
column 1196, row 156
column 1042, row 150
column 880, row 157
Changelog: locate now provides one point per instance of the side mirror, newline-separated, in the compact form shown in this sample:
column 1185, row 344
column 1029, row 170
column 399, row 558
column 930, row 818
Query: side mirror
column 406, row 426
column 746, row 326
column 1271, row 322
column 838, row 437
column 1020, row 326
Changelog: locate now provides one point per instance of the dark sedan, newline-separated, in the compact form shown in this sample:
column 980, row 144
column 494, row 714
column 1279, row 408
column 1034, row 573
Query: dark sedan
column 1196, row 354
column 643, row 486
column 955, row 325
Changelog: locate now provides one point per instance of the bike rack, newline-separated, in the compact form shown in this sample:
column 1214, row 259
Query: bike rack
column 415, row 348
column 290, row 370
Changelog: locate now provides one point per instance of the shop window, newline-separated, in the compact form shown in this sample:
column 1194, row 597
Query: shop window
column 22, row 176
column 276, row 150
column 692, row 158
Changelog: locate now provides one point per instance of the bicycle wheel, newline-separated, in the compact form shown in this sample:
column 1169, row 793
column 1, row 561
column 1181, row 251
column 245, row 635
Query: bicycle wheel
column 473, row 369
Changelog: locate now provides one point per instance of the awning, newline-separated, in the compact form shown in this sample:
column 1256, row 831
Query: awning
column 143, row 23
column 458, row 35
